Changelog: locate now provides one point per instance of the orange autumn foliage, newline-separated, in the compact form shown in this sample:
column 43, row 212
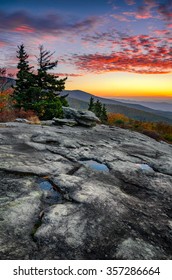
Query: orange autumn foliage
column 5, row 99
column 116, row 118
column 156, row 130
column 11, row 115
column 7, row 111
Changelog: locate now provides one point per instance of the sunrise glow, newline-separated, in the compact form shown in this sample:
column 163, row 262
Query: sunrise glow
column 124, row 85
column 109, row 48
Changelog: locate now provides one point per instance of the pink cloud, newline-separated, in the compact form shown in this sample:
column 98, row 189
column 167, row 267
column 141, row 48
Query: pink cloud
column 151, row 3
column 68, row 75
column 165, row 11
column 54, row 23
column 120, row 18
column 143, row 13
column 11, row 71
column 140, row 14
column 2, row 44
column 169, row 25
column 161, row 32
column 24, row 29
column 130, row 14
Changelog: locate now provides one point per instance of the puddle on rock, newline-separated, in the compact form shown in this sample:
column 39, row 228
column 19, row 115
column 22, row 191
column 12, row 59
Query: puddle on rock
column 95, row 165
column 50, row 194
column 45, row 185
column 145, row 167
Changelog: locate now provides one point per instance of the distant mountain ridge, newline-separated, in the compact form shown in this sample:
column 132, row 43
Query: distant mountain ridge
column 80, row 99
column 7, row 82
column 161, row 106
column 77, row 98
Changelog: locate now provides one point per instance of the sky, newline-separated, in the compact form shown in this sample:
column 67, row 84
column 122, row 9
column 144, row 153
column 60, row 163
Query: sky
column 110, row 48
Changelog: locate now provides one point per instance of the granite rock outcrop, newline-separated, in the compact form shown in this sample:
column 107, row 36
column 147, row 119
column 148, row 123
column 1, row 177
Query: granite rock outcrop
column 54, row 206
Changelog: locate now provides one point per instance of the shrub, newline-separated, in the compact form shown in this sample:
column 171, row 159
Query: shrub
column 168, row 137
column 29, row 115
column 158, row 131
column 119, row 122
column 48, row 110
column 7, row 116
column 24, row 114
column 6, row 100
column 152, row 134
column 11, row 115
column 118, row 119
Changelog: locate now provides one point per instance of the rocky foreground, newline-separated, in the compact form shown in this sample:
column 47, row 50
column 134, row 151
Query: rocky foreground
column 55, row 204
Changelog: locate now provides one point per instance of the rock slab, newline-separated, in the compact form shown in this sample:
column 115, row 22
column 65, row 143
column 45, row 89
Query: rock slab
column 125, row 213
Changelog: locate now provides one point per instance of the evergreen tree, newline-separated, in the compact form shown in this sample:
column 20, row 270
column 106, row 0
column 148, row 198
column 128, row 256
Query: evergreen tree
column 25, row 78
column 98, row 109
column 48, row 87
column 39, row 92
column 91, row 104
column 47, row 81
column 104, row 116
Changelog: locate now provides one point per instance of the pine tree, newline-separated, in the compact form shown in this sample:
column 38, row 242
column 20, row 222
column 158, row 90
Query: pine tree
column 98, row 108
column 104, row 116
column 23, row 99
column 46, row 80
column 48, row 87
column 91, row 104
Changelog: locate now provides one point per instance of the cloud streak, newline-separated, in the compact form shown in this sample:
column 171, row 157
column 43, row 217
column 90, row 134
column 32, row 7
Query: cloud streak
column 68, row 75
column 54, row 23
column 120, row 17
column 3, row 43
